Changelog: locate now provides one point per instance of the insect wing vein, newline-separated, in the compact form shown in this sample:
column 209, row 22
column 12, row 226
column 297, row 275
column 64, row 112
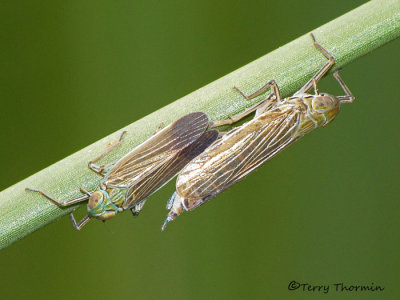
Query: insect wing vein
column 155, row 151
column 244, row 150
column 160, row 176
column 276, row 145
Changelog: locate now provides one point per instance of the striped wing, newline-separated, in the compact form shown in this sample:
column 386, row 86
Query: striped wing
column 161, row 175
column 139, row 164
column 235, row 155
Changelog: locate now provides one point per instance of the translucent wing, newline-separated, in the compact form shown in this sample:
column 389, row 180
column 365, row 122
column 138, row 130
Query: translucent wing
column 235, row 155
column 141, row 162
column 161, row 175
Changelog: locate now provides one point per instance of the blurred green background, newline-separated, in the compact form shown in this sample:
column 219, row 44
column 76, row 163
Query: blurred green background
column 324, row 211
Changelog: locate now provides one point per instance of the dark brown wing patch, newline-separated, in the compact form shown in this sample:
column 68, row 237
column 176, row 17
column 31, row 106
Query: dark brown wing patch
column 156, row 151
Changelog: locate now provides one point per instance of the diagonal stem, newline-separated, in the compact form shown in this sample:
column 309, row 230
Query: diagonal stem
column 347, row 38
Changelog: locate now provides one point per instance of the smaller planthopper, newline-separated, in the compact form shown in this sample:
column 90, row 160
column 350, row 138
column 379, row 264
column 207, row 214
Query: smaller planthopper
column 276, row 125
column 128, row 182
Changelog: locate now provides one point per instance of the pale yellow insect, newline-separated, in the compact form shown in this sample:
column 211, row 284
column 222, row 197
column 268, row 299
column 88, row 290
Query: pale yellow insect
column 277, row 124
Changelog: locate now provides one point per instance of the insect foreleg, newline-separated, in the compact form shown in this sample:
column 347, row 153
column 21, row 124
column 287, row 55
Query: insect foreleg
column 349, row 96
column 100, row 169
column 317, row 77
column 78, row 226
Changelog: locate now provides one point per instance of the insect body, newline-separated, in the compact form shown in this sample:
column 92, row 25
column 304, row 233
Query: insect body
column 277, row 124
column 130, row 180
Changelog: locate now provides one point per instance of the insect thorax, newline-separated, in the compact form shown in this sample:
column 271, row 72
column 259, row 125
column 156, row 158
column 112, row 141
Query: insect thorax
column 320, row 109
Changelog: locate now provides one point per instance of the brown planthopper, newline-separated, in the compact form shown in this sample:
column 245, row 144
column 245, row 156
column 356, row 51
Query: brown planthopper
column 128, row 182
column 276, row 125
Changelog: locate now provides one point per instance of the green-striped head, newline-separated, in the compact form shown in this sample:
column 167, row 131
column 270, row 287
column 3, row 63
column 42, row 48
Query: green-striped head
column 100, row 206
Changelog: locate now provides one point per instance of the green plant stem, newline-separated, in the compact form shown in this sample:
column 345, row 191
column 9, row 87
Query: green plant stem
column 347, row 38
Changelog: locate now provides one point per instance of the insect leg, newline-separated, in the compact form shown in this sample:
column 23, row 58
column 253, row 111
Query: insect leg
column 239, row 116
column 158, row 128
column 321, row 72
column 78, row 226
column 85, row 191
column 100, row 169
column 349, row 96
column 316, row 92
column 137, row 208
column 270, row 84
column 59, row 203
column 259, row 107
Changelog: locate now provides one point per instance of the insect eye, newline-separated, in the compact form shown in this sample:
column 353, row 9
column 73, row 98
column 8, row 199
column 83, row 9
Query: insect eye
column 94, row 199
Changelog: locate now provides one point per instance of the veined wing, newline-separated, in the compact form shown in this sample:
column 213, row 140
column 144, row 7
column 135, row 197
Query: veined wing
column 235, row 155
column 155, row 179
column 156, row 151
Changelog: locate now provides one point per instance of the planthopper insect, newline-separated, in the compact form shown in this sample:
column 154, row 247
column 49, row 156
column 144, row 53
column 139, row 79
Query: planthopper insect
column 276, row 125
column 128, row 181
